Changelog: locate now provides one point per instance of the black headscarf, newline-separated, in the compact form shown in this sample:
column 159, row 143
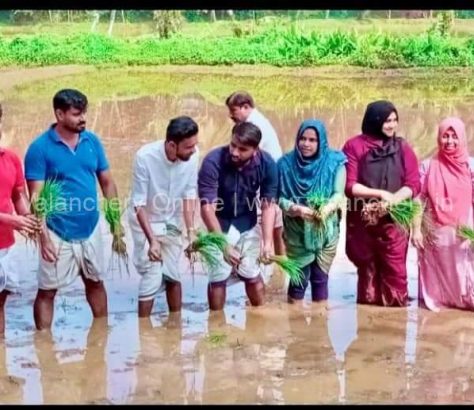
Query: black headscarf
column 376, row 114
column 382, row 167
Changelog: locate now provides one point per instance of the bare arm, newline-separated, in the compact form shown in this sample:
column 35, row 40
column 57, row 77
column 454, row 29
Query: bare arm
column 402, row 194
column 144, row 222
column 21, row 202
column 268, row 222
column 362, row 191
column 107, row 184
column 208, row 214
column 189, row 208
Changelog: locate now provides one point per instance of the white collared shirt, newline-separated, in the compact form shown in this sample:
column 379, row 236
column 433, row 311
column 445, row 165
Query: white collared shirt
column 161, row 185
column 269, row 142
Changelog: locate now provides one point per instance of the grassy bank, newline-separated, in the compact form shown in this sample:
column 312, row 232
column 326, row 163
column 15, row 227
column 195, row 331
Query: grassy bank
column 284, row 47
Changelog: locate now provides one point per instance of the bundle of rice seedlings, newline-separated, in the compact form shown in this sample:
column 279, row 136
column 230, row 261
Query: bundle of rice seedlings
column 465, row 232
column 405, row 212
column 113, row 215
column 47, row 202
column 289, row 266
column 316, row 201
column 207, row 246
column 402, row 213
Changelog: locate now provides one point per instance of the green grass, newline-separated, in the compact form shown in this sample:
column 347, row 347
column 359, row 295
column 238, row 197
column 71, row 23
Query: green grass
column 278, row 46
column 216, row 339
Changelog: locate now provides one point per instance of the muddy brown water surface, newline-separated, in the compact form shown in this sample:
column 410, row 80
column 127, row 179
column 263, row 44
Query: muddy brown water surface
column 336, row 352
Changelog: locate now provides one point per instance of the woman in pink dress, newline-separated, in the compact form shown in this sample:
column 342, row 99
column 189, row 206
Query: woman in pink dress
column 446, row 262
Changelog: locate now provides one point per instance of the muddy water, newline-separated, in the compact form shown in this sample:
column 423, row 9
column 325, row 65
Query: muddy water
column 326, row 353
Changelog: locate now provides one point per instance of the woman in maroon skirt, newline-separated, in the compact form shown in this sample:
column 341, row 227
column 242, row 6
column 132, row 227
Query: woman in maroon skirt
column 382, row 167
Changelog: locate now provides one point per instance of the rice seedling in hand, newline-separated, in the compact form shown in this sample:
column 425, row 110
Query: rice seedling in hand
column 207, row 246
column 113, row 215
column 47, row 203
column 316, row 202
column 465, row 232
column 404, row 212
column 288, row 266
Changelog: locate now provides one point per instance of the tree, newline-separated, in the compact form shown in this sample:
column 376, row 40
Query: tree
column 96, row 17
column 111, row 22
column 167, row 22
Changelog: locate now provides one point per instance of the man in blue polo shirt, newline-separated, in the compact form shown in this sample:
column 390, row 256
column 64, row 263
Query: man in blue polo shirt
column 71, row 244
column 228, row 182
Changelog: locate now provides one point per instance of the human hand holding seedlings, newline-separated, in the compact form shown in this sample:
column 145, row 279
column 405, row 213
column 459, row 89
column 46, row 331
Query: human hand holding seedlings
column 191, row 235
column 303, row 212
column 325, row 211
column 25, row 224
column 387, row 197
column 266, row 252
column 154, row 252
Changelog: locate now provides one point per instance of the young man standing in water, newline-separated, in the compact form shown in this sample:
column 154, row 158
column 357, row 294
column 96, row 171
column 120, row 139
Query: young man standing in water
column 70, row 243
column 229, row 181
column 242, row 109
column 164, row 189
column 14, row 215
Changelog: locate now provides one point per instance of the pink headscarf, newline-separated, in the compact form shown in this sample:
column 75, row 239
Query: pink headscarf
column 448, row 180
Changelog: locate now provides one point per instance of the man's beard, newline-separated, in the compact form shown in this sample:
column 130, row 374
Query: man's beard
column 77, row 128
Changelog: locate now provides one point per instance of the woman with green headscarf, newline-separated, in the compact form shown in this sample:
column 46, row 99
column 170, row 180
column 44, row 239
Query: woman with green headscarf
column 311, row 170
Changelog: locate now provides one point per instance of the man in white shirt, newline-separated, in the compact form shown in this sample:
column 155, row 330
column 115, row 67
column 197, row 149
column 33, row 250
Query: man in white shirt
column 164, row 188
column 242, row 109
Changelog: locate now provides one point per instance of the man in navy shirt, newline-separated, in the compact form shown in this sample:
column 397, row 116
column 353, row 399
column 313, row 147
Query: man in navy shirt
column 70, row 243
column 228, row 182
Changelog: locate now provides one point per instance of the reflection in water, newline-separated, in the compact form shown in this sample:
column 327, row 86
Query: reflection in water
column 128, row 109
column 443, row 371
column 10, row 386
column 75, row 374
column 160, row 374
column 334, row 353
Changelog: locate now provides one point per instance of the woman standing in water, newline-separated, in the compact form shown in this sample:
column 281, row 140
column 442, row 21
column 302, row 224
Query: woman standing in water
column 311, row 168
column 383, row 167
column 446, row 262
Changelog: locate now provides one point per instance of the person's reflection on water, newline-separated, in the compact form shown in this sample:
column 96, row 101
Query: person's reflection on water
column 160, row 373
column 74, row 382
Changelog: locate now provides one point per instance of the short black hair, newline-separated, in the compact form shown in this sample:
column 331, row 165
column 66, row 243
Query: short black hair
column 238, row 99
column 69, row 98
column 180, row 128
column 247, row 134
